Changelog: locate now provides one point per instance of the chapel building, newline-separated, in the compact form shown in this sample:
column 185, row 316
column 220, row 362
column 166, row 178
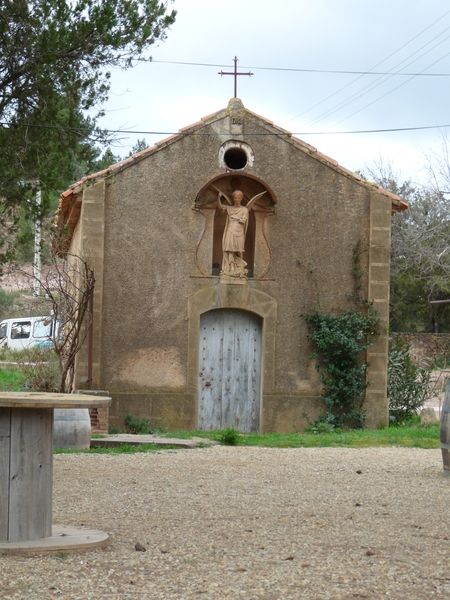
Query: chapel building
column 208, row 249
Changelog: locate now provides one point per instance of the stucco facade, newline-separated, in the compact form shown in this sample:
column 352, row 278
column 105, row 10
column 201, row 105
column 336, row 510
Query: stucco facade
column 320, row 241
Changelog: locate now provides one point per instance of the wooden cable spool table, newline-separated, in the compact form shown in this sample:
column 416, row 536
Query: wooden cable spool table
column 26, row 474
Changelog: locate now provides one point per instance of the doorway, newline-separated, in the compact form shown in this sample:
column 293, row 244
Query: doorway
column 229, row 380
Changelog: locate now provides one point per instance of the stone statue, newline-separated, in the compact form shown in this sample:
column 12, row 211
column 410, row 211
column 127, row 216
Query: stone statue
column 233, row 241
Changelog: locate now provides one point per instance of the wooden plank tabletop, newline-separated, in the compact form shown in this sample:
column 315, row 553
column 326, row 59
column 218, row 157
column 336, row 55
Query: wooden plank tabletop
column 51, row 400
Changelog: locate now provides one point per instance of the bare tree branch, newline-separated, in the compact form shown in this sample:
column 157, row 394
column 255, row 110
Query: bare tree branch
column 68, row 287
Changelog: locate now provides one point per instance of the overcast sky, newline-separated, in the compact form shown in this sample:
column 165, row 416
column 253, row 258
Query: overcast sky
column 406, row 36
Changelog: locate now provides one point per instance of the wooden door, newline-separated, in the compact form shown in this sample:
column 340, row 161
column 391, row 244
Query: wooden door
column 229, row 370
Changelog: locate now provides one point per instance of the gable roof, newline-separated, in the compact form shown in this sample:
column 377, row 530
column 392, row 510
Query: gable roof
column 70, row 205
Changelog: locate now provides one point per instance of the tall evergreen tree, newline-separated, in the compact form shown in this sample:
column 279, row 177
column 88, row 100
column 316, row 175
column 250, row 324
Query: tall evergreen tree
column 54, row 61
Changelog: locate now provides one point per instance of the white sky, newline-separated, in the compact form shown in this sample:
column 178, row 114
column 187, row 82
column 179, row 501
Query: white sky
column 412, row 36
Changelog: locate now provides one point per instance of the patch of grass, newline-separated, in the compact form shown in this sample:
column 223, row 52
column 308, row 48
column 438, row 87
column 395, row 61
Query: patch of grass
column 406, row 436
column 11, row 380
column 121, row 449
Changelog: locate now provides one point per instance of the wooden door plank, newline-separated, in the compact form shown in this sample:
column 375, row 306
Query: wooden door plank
column 248, row 372
column 229, row 384
column 216, row 360
column 254, row 379
column 210, row 375
column 247, row 423
column 241, row 371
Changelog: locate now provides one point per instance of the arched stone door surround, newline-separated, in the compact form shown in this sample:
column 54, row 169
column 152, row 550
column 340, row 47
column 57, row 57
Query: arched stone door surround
column 240, row 297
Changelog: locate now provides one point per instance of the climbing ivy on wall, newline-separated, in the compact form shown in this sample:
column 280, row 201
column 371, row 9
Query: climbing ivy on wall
column 339, row 341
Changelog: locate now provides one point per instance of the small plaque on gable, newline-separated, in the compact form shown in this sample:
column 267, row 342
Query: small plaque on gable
column 236, row 125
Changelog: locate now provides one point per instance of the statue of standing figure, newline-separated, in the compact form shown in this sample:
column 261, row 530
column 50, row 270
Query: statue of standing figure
column 233, row 241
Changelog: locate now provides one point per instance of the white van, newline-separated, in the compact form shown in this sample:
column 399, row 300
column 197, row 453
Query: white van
column 27, row 332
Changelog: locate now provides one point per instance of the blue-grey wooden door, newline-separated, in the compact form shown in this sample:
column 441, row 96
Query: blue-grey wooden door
column 229, row 370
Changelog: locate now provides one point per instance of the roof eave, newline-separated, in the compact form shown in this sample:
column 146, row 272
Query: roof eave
column 67, row 197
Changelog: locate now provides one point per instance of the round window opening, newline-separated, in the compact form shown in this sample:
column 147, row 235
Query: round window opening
column 235, row 158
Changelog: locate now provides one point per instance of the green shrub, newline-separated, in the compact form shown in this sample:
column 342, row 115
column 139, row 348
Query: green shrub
column 137, row 424
column 113, row 429
column 36, row 369
column 441, row 362
column 339, row 341
column 408, row 385
column 229, row 437
column 40, row 368
column 322, row 425
column 23, row 355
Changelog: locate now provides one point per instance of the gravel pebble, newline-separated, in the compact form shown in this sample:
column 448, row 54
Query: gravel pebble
column 253, row 523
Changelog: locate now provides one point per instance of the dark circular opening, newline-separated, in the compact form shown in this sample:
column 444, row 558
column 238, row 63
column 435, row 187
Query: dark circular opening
column 235, row 158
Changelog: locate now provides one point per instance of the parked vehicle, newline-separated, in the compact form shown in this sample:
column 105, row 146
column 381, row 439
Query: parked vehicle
column 27, row 332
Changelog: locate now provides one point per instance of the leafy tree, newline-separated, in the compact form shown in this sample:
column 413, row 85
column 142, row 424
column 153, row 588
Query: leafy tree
column 138, row 146
column 107, row 159
column 54, row 61
column 420, row 255
column 421, row 260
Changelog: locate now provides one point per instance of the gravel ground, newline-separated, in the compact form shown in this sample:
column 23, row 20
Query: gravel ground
column 251, row 523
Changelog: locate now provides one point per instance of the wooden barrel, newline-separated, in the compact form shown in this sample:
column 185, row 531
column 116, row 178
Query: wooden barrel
column 71, row 428
column 445, row 429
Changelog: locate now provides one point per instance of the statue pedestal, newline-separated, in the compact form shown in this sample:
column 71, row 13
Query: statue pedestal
column 227, row 279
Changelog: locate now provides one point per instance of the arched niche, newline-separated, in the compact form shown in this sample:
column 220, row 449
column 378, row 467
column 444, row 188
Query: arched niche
column 257, row 249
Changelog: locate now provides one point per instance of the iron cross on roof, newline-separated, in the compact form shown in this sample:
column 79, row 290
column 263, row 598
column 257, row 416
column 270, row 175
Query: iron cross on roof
column 235, row 73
